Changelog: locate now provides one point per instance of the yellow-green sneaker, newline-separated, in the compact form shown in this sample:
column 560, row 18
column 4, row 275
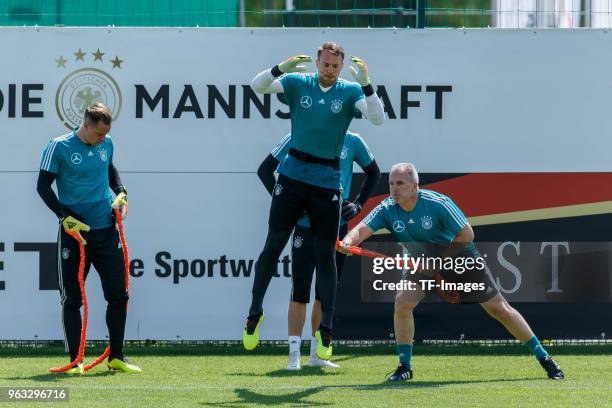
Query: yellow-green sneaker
column 76, row 370
column 324, row 347
column 123, row 366
column 250, row 334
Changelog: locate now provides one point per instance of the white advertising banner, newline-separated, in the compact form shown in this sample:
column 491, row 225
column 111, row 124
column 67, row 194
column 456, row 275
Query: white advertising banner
column 189, row 135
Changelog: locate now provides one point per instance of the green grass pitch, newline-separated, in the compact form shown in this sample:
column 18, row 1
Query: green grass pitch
column 458, row 376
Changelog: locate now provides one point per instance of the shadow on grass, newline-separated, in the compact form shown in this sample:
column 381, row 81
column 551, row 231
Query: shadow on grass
column 440, row 384
column 283, row 373
column 46, row 377
column 248, row 397
column 305, row 371
column 297, row 398
column 59, row 377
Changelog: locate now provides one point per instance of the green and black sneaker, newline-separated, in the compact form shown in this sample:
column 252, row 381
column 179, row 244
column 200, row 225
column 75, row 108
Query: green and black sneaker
column 123, row 365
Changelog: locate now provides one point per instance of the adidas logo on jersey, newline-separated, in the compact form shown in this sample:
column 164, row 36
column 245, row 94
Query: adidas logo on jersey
column 322, row 101
column 411, row 222
column 90, row 153
column 335, row 198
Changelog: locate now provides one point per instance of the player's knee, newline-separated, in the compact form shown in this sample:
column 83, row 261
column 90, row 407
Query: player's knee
column 326, row 249
column 72, row 302
column 501, row 311
column 326, row 262
column 117, row 304
column 403, row 308
column 408, row 296
column 301, row 293
column 275, row 243
column 117, row 298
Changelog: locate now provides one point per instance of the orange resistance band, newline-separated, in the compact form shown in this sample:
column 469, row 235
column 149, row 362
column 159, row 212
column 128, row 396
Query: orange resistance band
column 81, row 278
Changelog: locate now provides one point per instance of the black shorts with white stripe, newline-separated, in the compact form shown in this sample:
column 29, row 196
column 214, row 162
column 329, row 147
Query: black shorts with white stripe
column 304, row 263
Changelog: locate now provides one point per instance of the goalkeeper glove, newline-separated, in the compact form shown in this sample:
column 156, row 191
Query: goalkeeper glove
column 361, row 72
column 294, row 64
column 350, row 210
column 73, row 227
column 122, row 204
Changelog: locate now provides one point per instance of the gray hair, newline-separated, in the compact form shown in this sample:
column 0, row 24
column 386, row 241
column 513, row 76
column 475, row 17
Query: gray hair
column 408, row 169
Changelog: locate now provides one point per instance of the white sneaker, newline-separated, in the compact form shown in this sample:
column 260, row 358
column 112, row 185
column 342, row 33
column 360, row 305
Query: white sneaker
column 294, row 361
column 317, row 362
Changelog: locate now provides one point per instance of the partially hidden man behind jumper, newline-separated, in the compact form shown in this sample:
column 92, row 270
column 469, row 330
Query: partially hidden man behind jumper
column 446, row 227
column 81, row 164
column 303, row 257
column 321, row 108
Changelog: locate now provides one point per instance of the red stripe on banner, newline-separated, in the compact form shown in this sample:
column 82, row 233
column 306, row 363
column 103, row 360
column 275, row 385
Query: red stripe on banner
column 494, row 193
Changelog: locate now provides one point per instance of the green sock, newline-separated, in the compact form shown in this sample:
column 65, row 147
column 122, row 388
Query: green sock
column 404, row 351
column 536, row 348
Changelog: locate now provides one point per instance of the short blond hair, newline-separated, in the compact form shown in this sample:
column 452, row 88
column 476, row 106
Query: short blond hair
column 97, row 112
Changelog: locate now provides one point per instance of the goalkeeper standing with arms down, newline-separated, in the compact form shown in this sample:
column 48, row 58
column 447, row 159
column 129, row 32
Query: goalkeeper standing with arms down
column 321, row 109
column 81, row 164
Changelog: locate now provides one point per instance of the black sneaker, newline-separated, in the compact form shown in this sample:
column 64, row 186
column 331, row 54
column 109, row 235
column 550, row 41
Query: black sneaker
column 401, row 373
column 553, row 370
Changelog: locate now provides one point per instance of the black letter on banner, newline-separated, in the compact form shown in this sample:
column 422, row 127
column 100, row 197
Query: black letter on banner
column 249, row 95
column 438, row 89
column 198, row 268
column 215, row 96
column 47, row 262
column 241, row 268
column 163, row 95
column 159, row 259
column 279, row 113
column 11, row 100
column 26, row 100
column 2, row 285
column 136, row 268
column 286, row 262
column 223, row 264
column 211, row 266
column 194, row 107
column 405, row 102
column 1, row 100
column 381, row 91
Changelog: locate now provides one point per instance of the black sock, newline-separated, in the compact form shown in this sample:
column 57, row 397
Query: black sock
column 115, row 355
